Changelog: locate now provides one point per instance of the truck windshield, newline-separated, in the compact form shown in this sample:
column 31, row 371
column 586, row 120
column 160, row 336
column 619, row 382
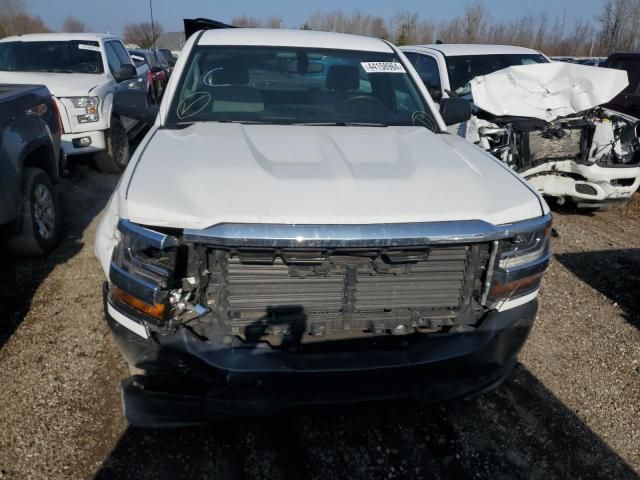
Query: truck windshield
column 74, row 56
column 464, row 68
column 281, row 85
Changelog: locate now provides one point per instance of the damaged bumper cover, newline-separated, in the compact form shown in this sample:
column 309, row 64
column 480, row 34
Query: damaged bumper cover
column 189, row 381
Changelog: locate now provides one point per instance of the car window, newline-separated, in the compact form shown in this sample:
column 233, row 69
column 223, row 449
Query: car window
column 632, row 67
column 427, row 68
column 159, row 57
column 412, row 57
column 121, row 52
column 462, row 69
column 298, row 86
column 75, row 56
column 138, row 59
column 112, row 58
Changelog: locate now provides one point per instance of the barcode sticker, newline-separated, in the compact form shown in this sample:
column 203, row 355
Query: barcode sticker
column 93, row 48
column 383, row 67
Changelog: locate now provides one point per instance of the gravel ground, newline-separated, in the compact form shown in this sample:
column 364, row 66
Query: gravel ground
column 570, row 410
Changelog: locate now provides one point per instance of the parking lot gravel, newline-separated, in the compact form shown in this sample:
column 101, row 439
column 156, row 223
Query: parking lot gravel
column 571, row 409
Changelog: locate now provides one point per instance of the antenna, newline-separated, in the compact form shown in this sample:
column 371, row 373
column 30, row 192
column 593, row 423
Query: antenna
column 153, row 33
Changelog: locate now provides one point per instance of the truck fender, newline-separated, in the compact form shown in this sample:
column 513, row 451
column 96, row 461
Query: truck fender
column 107, row 108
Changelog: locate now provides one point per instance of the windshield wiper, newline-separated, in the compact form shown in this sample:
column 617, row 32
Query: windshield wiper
column 259, row 122
column 342, row 124
column 54, row 70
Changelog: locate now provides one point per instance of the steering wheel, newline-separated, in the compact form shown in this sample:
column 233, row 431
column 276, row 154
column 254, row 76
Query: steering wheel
column 364, row 99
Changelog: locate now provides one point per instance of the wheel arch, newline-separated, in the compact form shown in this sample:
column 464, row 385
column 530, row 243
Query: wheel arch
column 41, row 155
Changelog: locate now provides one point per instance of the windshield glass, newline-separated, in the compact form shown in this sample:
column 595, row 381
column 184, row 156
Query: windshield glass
column 76, row 56
column 465, row 68
column 297, row 86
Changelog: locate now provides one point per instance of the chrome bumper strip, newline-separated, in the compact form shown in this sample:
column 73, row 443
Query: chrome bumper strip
column 358, row 236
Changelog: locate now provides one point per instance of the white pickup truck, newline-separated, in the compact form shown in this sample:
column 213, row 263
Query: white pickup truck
column 298, row 227
column 541, row 118
column 81, row 70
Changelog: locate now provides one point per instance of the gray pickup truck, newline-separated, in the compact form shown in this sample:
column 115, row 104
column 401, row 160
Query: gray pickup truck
column 30, row 166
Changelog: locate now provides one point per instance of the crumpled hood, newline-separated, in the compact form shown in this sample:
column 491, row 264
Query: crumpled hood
column 59, row 84
column 212, row 173
column 547, row 90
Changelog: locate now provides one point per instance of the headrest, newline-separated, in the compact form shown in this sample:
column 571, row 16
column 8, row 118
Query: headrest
column 226, row 72
column 343, row 77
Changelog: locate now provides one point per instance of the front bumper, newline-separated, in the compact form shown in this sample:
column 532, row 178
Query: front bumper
column 71, row 146
column 188, row 381
column 586, row 185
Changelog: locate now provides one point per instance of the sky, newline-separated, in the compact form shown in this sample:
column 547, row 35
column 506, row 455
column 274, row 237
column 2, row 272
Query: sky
column 112, row 15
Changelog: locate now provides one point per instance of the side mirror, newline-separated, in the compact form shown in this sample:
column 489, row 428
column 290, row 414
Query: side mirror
column 135, row 103
column 455, row 110
column 126, row 72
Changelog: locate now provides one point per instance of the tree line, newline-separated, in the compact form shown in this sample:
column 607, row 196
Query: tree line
column 615, row 28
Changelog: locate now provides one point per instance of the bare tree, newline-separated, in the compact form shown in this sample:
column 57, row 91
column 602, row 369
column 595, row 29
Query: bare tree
column 142, row 34
column 21, row 24
column 14, row 19
column 274, row 22
column 358, row 23
column 474, row 21
column 615, row 28
column 245, row 22
column 73, row 25
column 11, row 8
column 405, row 28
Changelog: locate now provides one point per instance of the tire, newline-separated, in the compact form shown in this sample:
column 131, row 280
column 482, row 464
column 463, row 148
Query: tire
column 115, row 157
column 41, row 220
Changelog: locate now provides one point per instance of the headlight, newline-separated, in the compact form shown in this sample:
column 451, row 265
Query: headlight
column 84, row 102
column 524, row 248
column 142, row 269
column 90, row 105
column 519, row 264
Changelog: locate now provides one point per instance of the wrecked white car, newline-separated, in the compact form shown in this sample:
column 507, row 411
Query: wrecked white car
column 542, row 119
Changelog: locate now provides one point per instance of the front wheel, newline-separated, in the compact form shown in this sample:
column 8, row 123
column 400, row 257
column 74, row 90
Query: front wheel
column 41, row 220
column 115, row 157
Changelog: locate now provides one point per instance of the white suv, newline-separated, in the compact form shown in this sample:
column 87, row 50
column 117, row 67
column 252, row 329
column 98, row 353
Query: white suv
column 82, row 71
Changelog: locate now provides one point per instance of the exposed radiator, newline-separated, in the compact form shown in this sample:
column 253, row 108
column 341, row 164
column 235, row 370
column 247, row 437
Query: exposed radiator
column 365, row 291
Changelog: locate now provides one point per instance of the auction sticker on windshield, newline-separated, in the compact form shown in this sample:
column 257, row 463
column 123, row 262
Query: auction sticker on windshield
column 382, row 67
column 93, row 48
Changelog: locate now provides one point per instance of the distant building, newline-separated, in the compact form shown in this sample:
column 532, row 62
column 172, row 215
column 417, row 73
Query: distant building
column 171, row 41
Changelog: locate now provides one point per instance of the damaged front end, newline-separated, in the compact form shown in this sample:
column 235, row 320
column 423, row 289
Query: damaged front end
column 433, row 313
column 544, row 122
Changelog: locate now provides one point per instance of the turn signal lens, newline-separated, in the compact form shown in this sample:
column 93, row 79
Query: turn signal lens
column 516, row 288
column 156, row 311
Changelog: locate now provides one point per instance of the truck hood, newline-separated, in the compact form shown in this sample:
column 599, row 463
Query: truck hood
column 547, row 90
column 59, row 84
column 211, row 173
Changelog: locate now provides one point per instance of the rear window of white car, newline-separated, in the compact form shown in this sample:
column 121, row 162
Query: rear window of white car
column 283, row 85
column 73, row 56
